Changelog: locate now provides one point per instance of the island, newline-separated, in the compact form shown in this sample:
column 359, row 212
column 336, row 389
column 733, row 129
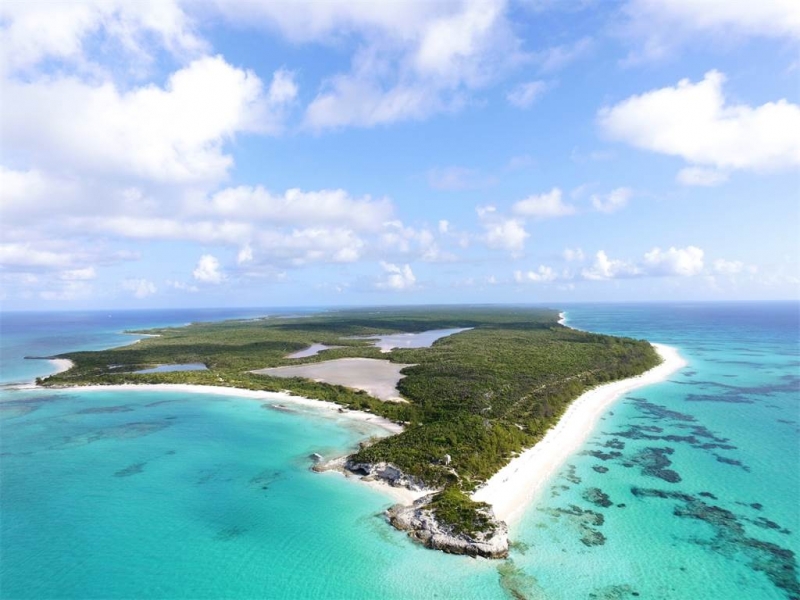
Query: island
column 466, row 405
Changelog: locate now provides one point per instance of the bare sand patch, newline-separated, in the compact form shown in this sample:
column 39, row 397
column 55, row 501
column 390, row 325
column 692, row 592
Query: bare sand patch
column 378, row 378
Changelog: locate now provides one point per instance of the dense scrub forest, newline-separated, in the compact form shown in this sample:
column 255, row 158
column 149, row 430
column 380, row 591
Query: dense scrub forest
column 479, row 396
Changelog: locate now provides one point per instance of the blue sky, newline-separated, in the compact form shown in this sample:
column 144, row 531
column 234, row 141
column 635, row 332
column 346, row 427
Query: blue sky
column 209, row 153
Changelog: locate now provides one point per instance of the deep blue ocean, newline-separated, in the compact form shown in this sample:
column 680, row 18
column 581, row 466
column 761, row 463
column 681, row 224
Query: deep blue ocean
column 688, row 489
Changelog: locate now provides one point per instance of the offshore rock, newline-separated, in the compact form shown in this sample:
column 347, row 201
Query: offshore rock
column 422, row 526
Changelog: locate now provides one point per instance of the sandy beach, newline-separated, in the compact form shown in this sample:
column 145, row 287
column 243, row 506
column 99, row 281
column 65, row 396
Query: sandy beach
column 277, row 398
column 516, row 485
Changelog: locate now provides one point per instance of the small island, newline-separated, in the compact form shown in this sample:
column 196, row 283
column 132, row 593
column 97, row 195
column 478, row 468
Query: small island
column 466, row 405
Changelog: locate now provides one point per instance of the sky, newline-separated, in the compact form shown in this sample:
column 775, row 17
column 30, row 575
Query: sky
column 191, row 153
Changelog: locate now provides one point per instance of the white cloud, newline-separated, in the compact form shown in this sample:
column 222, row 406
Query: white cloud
column 543, row 274
column 613, row 201
column 525, row 94
column 245, row 255
column 606, row 268
column 544, row 206
column 295, row 206
column 141, row 288
column 675, row 261
column 728, row 267
column 398, row 278
column 78, row 274
column 28, row 255
column 208, row 270
column 698, row 176
column 314, row 244
column 182, row 286
column 414, row 59
column 170, row 134
column 661, row 25
column 695, row 122
column 35, row 30
column 502, row 233
column 444, row 226
column 558, row 57
column 574, row 254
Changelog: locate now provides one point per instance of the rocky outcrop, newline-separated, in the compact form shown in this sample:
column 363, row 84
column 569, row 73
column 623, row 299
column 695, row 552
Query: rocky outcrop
column 421, row 524
column 387, row 473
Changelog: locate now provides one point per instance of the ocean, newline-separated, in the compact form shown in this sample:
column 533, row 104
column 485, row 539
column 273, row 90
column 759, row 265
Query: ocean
column 688, row 489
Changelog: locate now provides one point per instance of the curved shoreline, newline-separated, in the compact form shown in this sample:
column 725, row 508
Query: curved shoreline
column 514, row 487
column 511, row 489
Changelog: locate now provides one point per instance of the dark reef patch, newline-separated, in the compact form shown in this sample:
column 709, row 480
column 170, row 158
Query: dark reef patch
column 600, row 469
column 654, row 462
column 584, row 520
column 230, row 533
column 133, row 469
column 603, row 455
column 117, row 432
column 778, row 564
column 614, row 592
column 265, row 479
column 99, row 410
column 516, row 583
column 597, row 497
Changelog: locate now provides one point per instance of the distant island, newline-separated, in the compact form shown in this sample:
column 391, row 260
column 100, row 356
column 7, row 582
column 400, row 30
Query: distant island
column 486, row 390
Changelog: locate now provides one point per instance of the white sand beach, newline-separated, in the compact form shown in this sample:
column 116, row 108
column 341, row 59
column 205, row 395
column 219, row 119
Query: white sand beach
column 378, row 378
column 277, row 398
column 516, row 485
column 61, row 365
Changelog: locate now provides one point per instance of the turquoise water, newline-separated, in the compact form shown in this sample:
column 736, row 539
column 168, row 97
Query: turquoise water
column 174, row 495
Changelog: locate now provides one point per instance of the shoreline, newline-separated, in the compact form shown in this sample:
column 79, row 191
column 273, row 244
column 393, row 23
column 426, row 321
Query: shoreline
column 513, row 488
column 275, row 398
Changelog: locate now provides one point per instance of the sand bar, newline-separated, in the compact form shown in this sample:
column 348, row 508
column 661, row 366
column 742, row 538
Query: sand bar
column 516, row 485
column 378, row 378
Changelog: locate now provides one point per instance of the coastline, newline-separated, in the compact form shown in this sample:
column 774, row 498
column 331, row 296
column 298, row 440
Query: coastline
column 277, row 398
column 512, row 489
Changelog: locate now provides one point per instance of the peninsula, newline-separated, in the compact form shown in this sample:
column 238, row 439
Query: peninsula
column 464, row 407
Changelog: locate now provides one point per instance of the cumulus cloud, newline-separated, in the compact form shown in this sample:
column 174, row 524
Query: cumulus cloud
column 543, row 274
column 397, row 277
column 414, row 59
column 698, row 176
column 84, row 274
column 295, row 206
column 681, row 262
column 170, row 134
column 502, row 233
column 544, row 206
column 613, row 201
column 208, row 270
column 607, row 268
column 574, row 254
column 658, row 26
column 695, row 122
column 525, row 94
column 728, row 267
column 141, row 288
column 675, row 261
column 35, row 30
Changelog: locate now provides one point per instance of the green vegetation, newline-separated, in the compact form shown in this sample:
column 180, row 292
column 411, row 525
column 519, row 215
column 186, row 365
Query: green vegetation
column 479, row 396
column 462, row 514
